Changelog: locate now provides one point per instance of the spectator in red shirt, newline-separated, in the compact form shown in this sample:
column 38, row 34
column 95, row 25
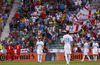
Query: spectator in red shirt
column 15, row 33
column 16, row 15
column 43, row 15
column 0, row 7
column 1, row 2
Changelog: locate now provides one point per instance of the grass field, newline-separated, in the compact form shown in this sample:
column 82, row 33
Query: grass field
column 49, row 63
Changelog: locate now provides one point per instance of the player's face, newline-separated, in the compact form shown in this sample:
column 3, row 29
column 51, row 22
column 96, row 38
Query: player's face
column 39, row 39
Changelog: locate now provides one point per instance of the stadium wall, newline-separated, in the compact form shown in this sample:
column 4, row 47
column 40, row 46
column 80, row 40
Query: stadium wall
column 48, row 57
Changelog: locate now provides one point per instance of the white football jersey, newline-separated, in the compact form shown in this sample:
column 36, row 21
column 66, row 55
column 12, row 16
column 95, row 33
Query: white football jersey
column 67, row 40
column 39, row 44
column 95, row 45
column 85, row 45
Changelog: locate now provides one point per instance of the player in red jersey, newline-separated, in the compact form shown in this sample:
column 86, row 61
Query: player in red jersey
column 12, row 53
column 18, row 47
column 9, row 50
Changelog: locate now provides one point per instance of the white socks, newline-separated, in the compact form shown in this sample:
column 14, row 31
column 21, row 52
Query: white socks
column 39, row 58
column 67, row 59
column 87, row 57
column 83, row 58
column 95, row 58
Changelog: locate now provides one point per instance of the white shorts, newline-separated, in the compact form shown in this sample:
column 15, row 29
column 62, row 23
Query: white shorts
column 67, row 50
column 95, row 51
column 86, row 52
column 39, row 51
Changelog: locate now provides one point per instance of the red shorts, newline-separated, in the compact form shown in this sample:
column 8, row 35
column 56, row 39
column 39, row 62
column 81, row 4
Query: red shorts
column 8, row 52
column 18, row 52
column 12, row 53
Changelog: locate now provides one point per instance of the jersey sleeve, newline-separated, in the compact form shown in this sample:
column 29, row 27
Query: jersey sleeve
column 97, row 44
column 20, row 47
column 42, row 43
column 11, row 47
column 63, row 38
column 71, row 38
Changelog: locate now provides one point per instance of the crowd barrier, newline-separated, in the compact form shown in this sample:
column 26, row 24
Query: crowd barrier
column 48, row 57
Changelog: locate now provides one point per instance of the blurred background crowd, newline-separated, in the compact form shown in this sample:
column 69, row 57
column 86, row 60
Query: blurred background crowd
column 47, row 19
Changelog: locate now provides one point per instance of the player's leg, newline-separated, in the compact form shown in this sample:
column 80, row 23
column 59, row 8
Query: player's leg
column 13, row 56
column 88, row 58
column 40, row 57
column 18, row 55
column 38, row 52
column 96, row 58
column 83, row 57
column 69, row 57
column 7, row 55
column 66, row 57
column 94, row 54
column 84, row 54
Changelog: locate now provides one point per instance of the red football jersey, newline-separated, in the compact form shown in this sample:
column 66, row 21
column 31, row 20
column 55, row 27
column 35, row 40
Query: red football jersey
column 9, row 48
column 18, row 47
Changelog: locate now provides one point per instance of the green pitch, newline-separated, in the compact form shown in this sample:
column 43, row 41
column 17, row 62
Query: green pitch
column 49, row 63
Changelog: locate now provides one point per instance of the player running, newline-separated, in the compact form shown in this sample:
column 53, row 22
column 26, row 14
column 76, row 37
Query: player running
column 95, row 49
column 86, row 50
column 67, row 42
column 9, row 50
column 18, row 47
column 39, row 47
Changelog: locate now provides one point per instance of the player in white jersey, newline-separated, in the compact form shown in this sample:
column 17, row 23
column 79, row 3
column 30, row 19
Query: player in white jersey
column 67, row 42
column 39, row 47
column 95, row 49
column 86, row 50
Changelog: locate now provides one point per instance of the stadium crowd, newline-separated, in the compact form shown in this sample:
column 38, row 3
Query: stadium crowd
column 47, row 20
column 5, row 8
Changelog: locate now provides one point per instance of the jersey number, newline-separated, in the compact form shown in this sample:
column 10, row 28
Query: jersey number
column 9, row 47
column 67, row 40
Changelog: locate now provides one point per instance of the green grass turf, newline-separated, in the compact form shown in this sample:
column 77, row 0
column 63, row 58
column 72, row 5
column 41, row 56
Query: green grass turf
column 49, row 63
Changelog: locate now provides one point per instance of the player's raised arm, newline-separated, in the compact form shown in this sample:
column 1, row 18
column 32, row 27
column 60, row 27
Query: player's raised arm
column 35, row 47
column 43, row 46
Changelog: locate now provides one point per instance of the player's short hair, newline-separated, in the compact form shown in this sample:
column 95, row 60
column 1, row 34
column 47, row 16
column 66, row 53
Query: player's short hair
column 67, row 31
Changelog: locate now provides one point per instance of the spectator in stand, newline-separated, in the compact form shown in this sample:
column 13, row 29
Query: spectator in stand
column 47, row 20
